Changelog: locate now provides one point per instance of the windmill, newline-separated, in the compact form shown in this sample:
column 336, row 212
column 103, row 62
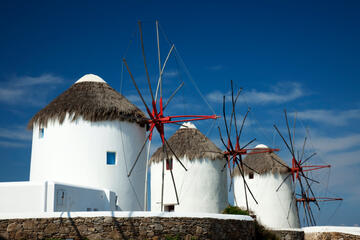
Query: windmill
column 234, row 152
column 157, row 117
column 298, row 171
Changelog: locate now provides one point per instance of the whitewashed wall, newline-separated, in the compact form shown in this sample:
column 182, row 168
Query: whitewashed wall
column 23, row 197
column 273, row 207
column 201, row 189
column 75, row 153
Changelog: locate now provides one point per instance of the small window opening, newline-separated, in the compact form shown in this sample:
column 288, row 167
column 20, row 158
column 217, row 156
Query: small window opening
column 110, row 158
column 169, row 208
column 251, row 175
column 41, row 132
column 169, row 164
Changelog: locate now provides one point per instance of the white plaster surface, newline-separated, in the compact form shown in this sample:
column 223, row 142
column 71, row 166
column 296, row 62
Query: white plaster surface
column 261, row 146
column 188, row 125
column 340, row 229
column 203, row 188
column 23, row 197
column 123, row 214
column 273, row 209
column 74, row 152
column 90, row 78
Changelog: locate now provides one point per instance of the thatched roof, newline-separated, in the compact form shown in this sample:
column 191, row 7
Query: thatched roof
column 189, row 142
column 263, row 163
column 93, row 100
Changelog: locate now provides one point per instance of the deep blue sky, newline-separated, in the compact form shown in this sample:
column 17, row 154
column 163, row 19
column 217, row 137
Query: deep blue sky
column 300, row 55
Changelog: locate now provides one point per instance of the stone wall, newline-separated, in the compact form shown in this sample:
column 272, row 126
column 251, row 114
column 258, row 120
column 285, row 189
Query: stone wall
column 330, row 236
column 289, row 235
column 126, row 228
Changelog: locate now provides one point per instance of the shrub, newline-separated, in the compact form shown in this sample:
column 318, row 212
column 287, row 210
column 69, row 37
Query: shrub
column 235, row 210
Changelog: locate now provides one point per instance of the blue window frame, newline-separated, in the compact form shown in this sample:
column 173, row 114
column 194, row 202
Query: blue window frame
column 110, row 158
column 41, row 132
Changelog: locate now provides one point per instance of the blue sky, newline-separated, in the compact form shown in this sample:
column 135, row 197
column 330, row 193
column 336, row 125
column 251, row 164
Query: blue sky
column 300, row 55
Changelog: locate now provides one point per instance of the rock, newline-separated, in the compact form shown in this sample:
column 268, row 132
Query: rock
column 150, row 234
column 51, row 228
column 158, row 227
column 82, row 228
column 96, row 236
column 13, row 227
column 199, row 230
column 4, row 235
column 108, row 220
column 20, row 234
column 115, row 235
column 28, row 225
column 188, row 237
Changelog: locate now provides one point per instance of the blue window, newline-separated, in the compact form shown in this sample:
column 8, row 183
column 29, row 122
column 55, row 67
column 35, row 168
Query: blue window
column 41, row 132
column 110, row 158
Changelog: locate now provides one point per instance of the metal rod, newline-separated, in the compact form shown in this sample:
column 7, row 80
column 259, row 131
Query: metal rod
column 283, row 139
column 231, row 117
column 248, row 143
column 143, row 53
column 227, row 130
column 283, row 182
column 137, row 88
column 176, row 194
column 303, row 150
column 162, row 182
column 233, row 111
column 175, row 154
column 288, row 128
column 242, row 174
column 243, row 122
column 162, row 70
column 172, row 177
column 222, row 140
column 138, row 156
column 158, row 47
column 294, row 130
column 173, row 94
column 146, row 177
column 309, row 158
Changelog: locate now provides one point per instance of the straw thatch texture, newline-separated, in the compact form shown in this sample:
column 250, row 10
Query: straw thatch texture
column 93, row 101
column 189, row 142
column 263, row 163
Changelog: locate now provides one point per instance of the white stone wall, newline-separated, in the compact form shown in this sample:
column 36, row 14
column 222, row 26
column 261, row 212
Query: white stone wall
column 201, row 189
column 74, row 152
column 37, row 197
column 273, row 209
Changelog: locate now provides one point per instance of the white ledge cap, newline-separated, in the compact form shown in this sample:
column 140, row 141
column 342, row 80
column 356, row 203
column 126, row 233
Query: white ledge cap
column 188, row 125
column 261, row 146
column 90, row 78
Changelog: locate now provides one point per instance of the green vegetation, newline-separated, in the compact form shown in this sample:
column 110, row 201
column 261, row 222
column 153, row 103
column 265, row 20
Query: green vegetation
column 261, row 233
column 235, row 210
column 177, row 237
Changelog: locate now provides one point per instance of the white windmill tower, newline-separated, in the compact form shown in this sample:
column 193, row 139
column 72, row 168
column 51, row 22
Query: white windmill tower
column 90, row 135
column 276, row 206
column 202, row 188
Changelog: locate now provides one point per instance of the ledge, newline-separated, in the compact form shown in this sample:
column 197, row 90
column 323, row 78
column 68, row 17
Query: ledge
column 123, row 214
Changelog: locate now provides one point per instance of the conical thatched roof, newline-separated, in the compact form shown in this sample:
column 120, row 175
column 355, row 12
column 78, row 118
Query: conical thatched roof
column 92, row 99
column 263, row 162
column 189, row 142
